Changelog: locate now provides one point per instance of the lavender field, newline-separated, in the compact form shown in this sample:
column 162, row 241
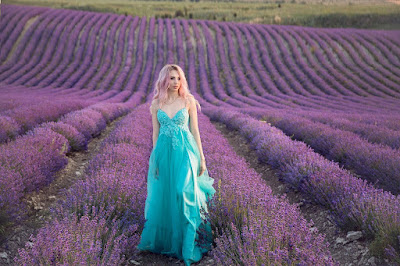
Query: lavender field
column 320, row 106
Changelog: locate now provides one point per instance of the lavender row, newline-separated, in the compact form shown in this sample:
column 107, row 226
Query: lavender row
column 204, row 88
column 254, row 81
column 282, row 31
column 103, row 60
column 120, row 54
column 264, row 66
column 254, row 98
column 110, row 196
column 140, row 87
column 384, row 120
column 31, row 161
column 118, row 83
column 252, row 225
column 217, row 86
column 364, row 61
column 28, row 43
column 355, row 204
column 64, row 56
column 306, row 101
column 132, row 79
column 334, row 59
column 191, row 64
column 344, row 53
column 46, row 43
column 28, row 163
column 84, row 53
column 313, row 71
column 388, row 65
column 72, row 59
column 9, row 35
column 375, row 126
column 19, row 120
column 18, row 114
column 53, row 50
column 370, row 132
column 380, row 119
column 93, row 57
column 60, row 66
column 312, row 83
column 304, row 34
column 352, row 67
column 375, row 40
column 374, row 162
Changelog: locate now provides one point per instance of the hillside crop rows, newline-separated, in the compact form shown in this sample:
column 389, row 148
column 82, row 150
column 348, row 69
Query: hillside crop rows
column 320, row 105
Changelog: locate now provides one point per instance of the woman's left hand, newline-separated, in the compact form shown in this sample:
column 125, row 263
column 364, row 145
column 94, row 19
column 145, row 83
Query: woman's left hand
column 202, row 166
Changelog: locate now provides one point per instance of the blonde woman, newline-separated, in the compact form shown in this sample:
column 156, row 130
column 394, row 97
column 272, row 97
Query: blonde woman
column 178, row 184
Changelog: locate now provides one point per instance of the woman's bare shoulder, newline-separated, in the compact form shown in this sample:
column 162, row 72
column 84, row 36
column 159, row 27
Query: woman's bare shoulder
column 187, row 101
column 154, row 104
column 191, row 99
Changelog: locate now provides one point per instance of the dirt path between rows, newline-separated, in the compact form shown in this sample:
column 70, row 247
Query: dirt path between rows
column 40, row 202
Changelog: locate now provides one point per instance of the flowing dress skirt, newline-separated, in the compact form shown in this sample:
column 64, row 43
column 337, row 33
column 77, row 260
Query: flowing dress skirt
column 175, row 196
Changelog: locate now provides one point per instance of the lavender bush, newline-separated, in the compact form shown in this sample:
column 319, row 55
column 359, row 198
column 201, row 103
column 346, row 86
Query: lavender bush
column 376, row 163
column 355, row 204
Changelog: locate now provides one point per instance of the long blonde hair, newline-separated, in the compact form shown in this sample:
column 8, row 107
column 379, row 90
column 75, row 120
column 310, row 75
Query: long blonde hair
column 161, row 86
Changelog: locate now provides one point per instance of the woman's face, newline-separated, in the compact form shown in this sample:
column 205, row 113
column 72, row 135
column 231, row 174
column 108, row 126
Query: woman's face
column 174, row 81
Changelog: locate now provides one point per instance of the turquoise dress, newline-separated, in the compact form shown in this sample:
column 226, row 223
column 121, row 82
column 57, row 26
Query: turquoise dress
column 176, row 194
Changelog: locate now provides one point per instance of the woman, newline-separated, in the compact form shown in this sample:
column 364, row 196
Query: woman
column 178, row 184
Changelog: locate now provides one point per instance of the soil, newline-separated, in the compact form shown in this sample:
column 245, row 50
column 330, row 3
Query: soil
column 148, row 258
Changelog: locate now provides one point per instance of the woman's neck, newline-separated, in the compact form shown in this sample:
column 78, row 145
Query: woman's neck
column 173, row 95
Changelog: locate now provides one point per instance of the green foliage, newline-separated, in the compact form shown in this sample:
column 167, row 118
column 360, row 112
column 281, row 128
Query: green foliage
column 179, row 13
column 387, row 243
column 292, row 12
column 5, row 223
column 355, row 21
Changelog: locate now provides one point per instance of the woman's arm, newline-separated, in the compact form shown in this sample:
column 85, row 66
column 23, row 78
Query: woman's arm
column 156, row 125
column 194, row 128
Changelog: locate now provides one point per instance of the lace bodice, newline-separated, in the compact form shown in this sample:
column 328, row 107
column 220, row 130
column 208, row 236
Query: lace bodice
column 171, row 126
